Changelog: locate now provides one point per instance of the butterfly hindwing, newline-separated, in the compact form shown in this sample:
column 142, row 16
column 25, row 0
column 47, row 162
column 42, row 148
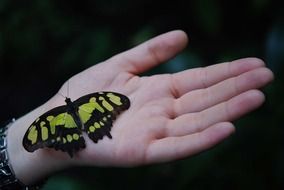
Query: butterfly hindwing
column 54, row 129
column 98, row 110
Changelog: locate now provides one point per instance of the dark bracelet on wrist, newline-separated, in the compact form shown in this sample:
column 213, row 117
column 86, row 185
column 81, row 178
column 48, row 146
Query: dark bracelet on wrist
column 8, row 180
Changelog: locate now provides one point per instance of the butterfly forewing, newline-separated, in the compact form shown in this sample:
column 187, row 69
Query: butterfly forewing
column 54, row 129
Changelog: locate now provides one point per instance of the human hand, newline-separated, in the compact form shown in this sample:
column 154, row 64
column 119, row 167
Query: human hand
column 171, row 116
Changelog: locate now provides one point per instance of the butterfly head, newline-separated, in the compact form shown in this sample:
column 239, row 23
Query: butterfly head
column 68, row 101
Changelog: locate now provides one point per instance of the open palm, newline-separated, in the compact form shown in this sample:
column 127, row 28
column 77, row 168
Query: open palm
column 171, row 115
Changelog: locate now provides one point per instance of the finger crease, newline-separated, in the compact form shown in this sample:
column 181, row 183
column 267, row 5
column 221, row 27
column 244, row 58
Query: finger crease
column 203, row 74
column 174, row 87
column 154, row 56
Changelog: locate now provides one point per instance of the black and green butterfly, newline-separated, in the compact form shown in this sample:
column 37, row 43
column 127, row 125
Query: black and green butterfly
column 61, row 127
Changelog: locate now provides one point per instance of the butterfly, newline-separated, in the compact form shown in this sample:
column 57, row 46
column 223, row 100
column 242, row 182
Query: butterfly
column 61, row 127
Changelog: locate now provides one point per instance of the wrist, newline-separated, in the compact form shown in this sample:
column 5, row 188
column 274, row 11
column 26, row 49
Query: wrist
column 30, row 167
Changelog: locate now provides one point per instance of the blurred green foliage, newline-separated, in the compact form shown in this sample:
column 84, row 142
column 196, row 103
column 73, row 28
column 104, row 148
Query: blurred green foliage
column 43, row 43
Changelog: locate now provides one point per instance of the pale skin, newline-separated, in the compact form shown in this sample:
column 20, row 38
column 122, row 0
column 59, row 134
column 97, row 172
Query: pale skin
column 172, row 116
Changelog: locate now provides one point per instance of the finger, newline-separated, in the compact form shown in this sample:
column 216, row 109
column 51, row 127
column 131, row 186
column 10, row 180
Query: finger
column 150, row 53
column 201, row 99
column 227, row 111
column 198, row 78
column 172, row 148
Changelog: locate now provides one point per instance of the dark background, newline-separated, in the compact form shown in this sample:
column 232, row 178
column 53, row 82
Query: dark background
column 43, row 43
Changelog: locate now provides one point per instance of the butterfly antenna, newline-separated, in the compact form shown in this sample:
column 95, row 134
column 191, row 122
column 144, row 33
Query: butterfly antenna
column 67, row 88
column 61, row 94
column 66, row 92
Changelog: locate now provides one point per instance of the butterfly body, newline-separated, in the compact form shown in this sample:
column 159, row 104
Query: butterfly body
column 61, row 128
column 73, row 111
